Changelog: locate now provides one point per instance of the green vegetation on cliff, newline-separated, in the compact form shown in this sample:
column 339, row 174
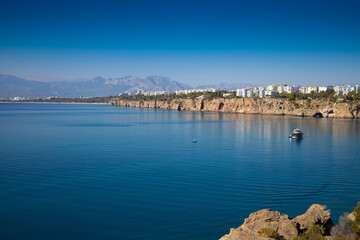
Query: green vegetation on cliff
column 172, row 96
column 314, row 232
column 356, row 223
column 293, row 97
column 325, row 95
column 314, row 224
column 268, row 232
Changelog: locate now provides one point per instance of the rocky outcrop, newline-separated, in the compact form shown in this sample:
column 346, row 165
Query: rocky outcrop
column 304, row 108
column 282, row 223
column 264, row 219
column 315, row 214
column 351, row 216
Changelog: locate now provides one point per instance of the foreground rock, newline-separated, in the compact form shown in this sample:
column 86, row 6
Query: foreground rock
column 316, row 108
column 264, row 219
column 315, row 214
column 282, row 223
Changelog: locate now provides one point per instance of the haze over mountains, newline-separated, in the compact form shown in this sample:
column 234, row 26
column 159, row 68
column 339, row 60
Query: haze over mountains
column 13, row 86
column 227, row 86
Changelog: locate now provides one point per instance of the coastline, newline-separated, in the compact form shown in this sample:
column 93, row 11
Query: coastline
column 315, row 223
column 266, row 106
column 104, row 103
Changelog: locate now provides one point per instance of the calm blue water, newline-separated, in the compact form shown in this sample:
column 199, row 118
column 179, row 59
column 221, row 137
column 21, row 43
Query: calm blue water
column 102, row 172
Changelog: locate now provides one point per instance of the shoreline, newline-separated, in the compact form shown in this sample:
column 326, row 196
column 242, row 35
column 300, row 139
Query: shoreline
column 267, row 106
column 316, row 222
column 104, row 103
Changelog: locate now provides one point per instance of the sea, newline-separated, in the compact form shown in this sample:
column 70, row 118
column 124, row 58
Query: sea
column 79, row 171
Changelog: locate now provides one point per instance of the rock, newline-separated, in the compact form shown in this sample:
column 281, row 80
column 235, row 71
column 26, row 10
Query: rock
column 240, row 234
column 315, row 214
column 343, row 110
column 274, row 106
column 351, row 217
column 327, row 112
column 282, row 223
column 265, row 218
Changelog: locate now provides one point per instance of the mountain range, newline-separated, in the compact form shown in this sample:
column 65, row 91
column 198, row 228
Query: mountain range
column 13, row 86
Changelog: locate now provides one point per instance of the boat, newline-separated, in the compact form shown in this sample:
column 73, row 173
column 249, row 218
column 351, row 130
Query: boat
column 194, row 140
column 297, row 134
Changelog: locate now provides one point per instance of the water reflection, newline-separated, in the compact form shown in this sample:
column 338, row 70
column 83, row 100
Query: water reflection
column 112, row 169
column 295, row 141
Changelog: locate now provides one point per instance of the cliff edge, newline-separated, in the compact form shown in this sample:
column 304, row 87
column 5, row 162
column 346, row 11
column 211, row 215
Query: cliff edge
column 266, row 220
column 314, row 224
column 274, row 106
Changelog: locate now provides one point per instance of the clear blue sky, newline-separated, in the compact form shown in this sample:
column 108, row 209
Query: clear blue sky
column 196, row 42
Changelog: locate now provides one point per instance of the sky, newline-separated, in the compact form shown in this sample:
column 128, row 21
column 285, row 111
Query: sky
column 195, row 42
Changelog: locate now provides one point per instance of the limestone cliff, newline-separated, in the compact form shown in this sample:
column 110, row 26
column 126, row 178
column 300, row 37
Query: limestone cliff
column 286, row 227
column 304, row 108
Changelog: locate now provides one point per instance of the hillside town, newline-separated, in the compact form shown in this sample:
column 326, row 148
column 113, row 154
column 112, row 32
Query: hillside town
column 177, row 92
column 260, row 92
column 273, row 90
column 269, row 91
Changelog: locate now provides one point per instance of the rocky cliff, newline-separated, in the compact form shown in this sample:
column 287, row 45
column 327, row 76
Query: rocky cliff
column 304, row 108
column 286, row 227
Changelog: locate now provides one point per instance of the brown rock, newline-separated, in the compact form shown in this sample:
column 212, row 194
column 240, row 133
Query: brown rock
column 240, row 234
column 351, row 216
column 265, row 218
column 317, row 108
column 317, row 214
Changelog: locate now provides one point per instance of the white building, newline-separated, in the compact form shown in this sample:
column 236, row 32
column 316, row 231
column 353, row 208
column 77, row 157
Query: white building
column 345, row 89
column 324, row 88
column 187, row 91
column 249, row 93
column 155, row 93
column 17, row 98
column 273, row 90
column 257, row 92
column 311, row 89
column 242, row 92
column 339, row 89
column 302, row 89
column 357, row 88
column 261, row 93
column 272, row 87
column 269, row 93
column 282, row 88
column 308, row 89
column 348, row 88
column 291, row 89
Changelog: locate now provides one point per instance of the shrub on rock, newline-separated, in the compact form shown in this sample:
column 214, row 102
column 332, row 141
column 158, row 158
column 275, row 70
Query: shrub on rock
column 343, row 230
column 268, row 232
column 314, row 232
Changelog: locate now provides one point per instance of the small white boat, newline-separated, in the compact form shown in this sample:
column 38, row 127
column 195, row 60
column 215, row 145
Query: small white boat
column 194, row 140
column 297, row 134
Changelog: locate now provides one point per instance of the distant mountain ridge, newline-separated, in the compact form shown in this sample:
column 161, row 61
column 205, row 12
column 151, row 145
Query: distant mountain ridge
column 228, row 86
column 13, row 86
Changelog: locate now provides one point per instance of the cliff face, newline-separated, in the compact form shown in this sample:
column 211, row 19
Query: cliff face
column 315, row 108
column 286, row 227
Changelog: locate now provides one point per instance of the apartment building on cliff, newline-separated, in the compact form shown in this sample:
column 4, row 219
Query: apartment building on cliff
column 273, row 90
column 187, row 91
column 156, row 93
